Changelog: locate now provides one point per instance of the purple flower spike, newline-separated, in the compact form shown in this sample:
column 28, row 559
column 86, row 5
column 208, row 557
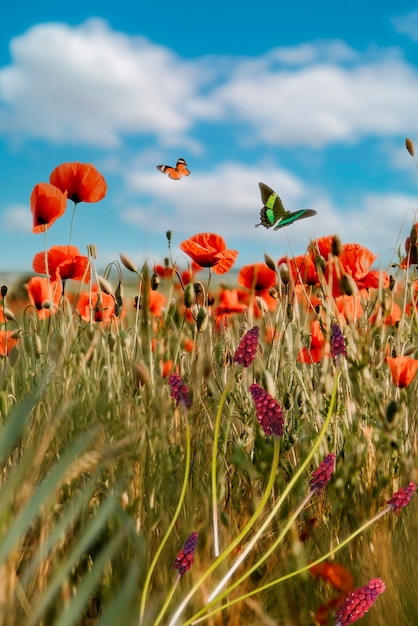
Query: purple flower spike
column 322, row 475
column 179, row 391
column 184, row 559
column 358, row 602
column 246, row 351
column 401, row 498
column 338, row 347
column 269, row 411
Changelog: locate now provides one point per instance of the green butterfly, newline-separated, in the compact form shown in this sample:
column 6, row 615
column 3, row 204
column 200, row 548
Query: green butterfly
column 273, row 212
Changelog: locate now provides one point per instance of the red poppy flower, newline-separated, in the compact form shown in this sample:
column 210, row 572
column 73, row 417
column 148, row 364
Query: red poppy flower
column 302, row 269
column 354, row 260
column 257, row 277
column 7, row 342
column 229, row 303
column 82, row 181
column 209, row 250
column 336, row 574
column 40, row 292
column 403, row 370
column 97, row 306
column 156, row 303
column 350, row 307
column 47, row 204
column 63, row 262
column 316, row 351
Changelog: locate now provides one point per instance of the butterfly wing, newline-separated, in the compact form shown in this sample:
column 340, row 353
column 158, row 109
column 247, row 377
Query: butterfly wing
column 181, row 168
column 273, row 209
column 289, row 218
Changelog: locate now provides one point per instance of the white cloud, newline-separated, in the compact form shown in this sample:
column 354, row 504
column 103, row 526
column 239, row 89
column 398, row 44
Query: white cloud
column 407, row 25
column 91, row 85
column 323, row 103
column 17, row 219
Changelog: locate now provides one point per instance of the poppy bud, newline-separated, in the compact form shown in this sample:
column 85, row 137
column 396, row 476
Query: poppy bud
column 111, row 341
column 202, row 320
column 410, row 146
column 284, row 274
column 155, row 281
column 130, row 265
column 14, row 356
column 105, row 286
column 3, row 291
column 169, row 234
column 336, row 246
column 347, row 285
column 188, row 295
column 269, row 262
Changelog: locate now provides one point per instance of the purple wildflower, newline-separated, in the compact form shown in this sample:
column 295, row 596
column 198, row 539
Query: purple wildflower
column 322, row 475
column 245, row 353
column 184, row 559
column 401, row 498
column 358, row 602
column 338, row 347
column 179, row 391
column 269, row 411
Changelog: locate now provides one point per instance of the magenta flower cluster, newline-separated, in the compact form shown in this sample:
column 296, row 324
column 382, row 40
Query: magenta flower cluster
column 401, row 498
column 269, row 411
column 246, row 351
column 184, row 559
column 179, row 391
column 322, row 475
column 338, row 347
column 358, row 602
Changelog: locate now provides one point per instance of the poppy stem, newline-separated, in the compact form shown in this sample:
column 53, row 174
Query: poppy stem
column 72, row 222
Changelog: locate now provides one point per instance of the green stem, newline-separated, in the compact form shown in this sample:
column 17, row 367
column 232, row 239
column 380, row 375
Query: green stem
column 167, row 601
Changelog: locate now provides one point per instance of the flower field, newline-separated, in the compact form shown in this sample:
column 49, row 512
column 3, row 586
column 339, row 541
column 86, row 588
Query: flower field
column 191, row 441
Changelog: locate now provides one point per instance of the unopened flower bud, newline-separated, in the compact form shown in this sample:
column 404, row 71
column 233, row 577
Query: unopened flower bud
column 130, row 265
column 202, row 320
column 336, row 246
column 409, row 144
column 188, row 295
column 269, row 262
column 154, row 281
column 347, row 285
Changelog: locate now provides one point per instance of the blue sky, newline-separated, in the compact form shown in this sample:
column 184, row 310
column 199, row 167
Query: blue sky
column 314, row 99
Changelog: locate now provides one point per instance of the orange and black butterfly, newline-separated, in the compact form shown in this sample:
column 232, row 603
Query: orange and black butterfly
column 175, row 172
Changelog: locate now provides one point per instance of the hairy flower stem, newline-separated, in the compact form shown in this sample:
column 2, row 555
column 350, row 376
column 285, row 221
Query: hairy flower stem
column 172, row 523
